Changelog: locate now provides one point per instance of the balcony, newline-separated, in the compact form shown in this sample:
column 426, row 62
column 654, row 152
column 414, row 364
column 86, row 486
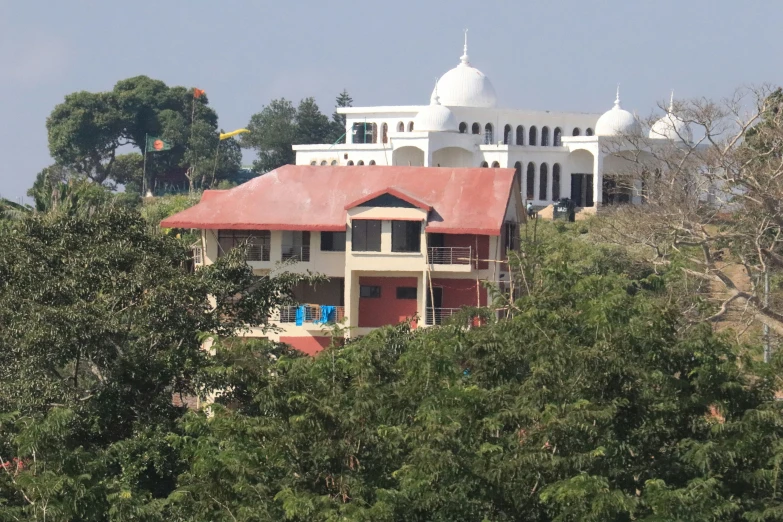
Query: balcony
column 296, row 253
column 449, row 255
column 436, row 316
column 257, row 253
column 312, row 314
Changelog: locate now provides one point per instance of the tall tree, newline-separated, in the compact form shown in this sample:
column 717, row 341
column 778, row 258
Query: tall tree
column 338, row 120
column 312, row 126
column 272, row 132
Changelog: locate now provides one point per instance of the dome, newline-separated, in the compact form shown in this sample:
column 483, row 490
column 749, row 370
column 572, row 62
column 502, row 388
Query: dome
column 465, row 86
column 618, row 122
column 435, row 118
column 671, row 127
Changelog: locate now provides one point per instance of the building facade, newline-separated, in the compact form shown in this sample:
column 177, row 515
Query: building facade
column 554, row 154
column 397, row 243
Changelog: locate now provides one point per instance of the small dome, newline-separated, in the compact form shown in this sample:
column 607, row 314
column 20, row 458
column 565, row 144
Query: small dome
column 618, row 122
column 435, row 118
column 465, row 86
column 671, row 127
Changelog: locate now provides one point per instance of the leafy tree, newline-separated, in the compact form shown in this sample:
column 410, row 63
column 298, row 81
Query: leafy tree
column 272, row 132
column 338, row 120
column 311, row 125
column 87, row 129
column 100, row 328
column 594, row 401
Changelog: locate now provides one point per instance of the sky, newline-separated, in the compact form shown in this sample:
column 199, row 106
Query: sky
column 567, row 55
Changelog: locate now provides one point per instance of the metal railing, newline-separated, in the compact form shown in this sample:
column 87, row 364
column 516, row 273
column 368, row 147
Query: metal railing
column 438, row 315
column 297, row 253
column 198, row 256
column 311, row 314
column 449, row 255
column 257, row 253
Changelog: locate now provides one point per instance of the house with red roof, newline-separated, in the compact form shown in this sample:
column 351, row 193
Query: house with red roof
column 397, row 243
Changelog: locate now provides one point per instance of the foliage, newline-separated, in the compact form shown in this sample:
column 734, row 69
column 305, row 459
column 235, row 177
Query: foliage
column 100, row 328
column 87, row 130
column 57, row 188
column 338, row 120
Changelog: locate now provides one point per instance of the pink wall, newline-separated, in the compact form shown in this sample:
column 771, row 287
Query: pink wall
column 470, row 240
column 387, row 309
column 460, row 292
column 308, row 344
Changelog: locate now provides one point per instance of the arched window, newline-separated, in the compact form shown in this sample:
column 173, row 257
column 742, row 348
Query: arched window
column 589, row 132
column 484, row 164
column 556, row 137
column 385, row 133
column 544, row 136
column 334, row 162
column 360, row 162
column 543, row 180
column 463, row 128
column 373, row 129
column 518, row 174
column 476, row 128
column 520, row 135
column 530, row 181
column 507, row 135
column 495, row 165
column 488, row 134
column 410, row 126
column 576, row 132
column 555, row 182
column 532, row 139
column 313, row 162
column 372, row 162
column 323, row 163
column 350, row 163
column 400, row 127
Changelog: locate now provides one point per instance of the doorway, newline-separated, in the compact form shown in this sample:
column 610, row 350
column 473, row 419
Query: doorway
column 435, row 305
column 582, row 189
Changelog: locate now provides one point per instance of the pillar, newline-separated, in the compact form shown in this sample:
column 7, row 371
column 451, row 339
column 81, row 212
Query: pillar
column 598, row 178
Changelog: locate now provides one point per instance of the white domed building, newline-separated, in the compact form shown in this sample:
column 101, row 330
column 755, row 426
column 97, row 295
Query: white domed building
column 555, row 154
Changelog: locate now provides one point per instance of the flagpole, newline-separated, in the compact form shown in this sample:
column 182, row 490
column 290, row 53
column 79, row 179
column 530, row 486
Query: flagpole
column 144, row 170
column 214, row 169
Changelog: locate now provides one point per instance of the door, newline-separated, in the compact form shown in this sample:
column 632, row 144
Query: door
column 435, row 305
column 576, row 189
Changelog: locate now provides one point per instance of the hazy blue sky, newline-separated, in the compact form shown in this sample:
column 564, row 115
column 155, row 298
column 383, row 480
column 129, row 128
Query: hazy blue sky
column 563, row 55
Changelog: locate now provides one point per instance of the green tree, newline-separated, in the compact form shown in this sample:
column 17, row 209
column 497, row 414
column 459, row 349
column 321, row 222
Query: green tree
column 272, row 132
column 311, row 125
column 338, row 120
column 100, row 329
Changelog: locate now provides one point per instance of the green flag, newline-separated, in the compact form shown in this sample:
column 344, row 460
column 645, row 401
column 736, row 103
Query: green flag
column 155, row 144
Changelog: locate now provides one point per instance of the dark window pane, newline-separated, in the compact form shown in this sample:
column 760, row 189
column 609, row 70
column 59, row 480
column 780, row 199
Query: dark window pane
column 406, row 292
column 333, row 241
column 366, row 235
column 371, row 292
column 406, row 236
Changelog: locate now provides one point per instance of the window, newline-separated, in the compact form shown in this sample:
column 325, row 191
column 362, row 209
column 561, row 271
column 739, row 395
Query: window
column 495, row 165
column 518, row 174
column 556, row 137
column 366, row 235
column 372, row 162
column 258, row 243
column 484, row 164
column 507, row 135
column 400, row 127
column 530, row 193
column 510, row 236
column 542, row 182
column 463, row 128
column 410, row 126
column 576, row 132
column 370, row 292
column 333, row 241
column 363, row 132
column 406, row 292
column 334, row 162
column 545, row 136
column 296, row 245
column 350, row 163
column 533, row 136
column 313, row 162
column 555, row 182
column 488, row 134
column 476, row 129
column 385, row 133
column 323, row 163
column 360, row 162
column 589, row 132
column 520, row 135
column 406, row 236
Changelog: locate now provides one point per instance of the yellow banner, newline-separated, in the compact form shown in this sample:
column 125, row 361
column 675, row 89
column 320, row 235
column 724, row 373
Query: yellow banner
column 232, row 133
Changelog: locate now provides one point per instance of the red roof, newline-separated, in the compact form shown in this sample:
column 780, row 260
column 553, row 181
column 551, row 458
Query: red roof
column 305, row 197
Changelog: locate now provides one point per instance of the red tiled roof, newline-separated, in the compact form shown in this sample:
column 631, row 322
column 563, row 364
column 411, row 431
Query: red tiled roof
column 305, row 197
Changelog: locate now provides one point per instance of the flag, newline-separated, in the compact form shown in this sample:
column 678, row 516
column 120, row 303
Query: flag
column 232, row 133
column 198, row 93
column 155, row 144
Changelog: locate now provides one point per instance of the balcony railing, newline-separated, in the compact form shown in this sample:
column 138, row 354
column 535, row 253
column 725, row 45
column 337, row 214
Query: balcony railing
column 297, row 253
column 438, row 315
column 449, row 255
column 315, row 314
column 257, row 253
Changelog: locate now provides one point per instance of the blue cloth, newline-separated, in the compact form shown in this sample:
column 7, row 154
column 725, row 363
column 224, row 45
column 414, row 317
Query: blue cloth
column 327, row 313
column 300, row 315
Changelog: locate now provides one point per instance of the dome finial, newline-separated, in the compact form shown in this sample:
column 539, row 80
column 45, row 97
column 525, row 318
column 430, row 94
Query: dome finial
column 671, row 103
column 617, row 99
column 464, row 57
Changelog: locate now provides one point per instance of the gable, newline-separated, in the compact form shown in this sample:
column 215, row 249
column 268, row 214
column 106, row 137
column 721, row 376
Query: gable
column 388, row 201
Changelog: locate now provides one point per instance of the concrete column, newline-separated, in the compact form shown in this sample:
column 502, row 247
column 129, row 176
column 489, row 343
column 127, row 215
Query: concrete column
column 536, row 180
column 598, row 178
column 386, row 232
column 565, row 184
column 276, row 246
column 422, row 291
column 549, row 178
column 210, row 240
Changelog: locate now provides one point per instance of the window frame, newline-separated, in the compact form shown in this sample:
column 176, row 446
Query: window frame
column 412, row 238
column 359, row 235
column 374, row 291
column 405, row 295
column 330, row 242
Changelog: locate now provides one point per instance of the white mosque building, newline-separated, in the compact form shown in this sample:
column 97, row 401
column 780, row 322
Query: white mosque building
column 555, row 154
